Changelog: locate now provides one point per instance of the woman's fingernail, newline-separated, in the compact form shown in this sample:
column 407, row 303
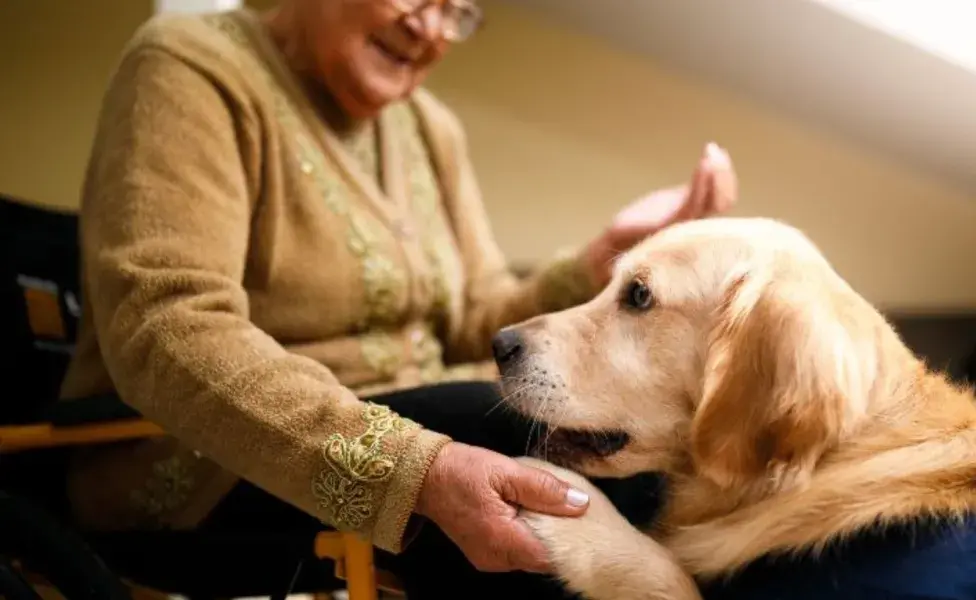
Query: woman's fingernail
column 717, row 156
column 577, row 498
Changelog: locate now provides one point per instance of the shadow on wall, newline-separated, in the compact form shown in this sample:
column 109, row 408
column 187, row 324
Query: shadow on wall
column 562, row 127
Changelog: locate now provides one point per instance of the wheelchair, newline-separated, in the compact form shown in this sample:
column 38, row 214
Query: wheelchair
column 39, row 548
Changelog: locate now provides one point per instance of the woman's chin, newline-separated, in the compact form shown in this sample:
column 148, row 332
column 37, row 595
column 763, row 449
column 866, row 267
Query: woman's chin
column 375, row 94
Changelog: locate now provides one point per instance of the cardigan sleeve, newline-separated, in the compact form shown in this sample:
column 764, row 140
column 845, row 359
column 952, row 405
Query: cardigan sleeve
column 165, row 221
column 493, row 296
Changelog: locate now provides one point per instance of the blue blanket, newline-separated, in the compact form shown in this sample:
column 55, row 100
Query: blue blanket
column 917, row 561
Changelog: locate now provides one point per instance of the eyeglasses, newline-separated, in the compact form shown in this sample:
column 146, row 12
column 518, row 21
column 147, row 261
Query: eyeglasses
column 461, row 18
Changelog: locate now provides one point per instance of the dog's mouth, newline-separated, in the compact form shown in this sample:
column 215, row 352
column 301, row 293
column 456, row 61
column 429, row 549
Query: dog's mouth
column 569, row 446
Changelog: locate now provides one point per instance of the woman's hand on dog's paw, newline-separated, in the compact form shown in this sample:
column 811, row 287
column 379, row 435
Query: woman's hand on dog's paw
column 474, row 496
column 564, row 538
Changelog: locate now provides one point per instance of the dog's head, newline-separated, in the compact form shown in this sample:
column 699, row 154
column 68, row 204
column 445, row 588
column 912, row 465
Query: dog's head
column 726, row 347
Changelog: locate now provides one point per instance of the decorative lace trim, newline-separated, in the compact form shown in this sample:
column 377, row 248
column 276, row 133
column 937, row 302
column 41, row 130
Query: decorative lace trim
column 343, row 489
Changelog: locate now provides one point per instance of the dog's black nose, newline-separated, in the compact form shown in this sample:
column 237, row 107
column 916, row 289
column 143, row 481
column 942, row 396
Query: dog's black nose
column 507, row 347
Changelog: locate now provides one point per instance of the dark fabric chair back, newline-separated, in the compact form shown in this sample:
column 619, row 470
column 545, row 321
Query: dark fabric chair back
column 970, row 369
column 39, row 306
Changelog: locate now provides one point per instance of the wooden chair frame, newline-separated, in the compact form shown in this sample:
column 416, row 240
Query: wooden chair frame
column 353, row 556
column 45, row 239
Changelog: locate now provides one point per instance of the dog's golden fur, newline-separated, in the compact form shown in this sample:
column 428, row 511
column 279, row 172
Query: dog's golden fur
column 784, row 409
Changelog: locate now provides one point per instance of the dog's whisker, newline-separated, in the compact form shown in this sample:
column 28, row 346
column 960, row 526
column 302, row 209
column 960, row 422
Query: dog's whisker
column 532, row 427
column 545, row 442
column 518, row 390
column 554, row 425
column 504, row 399
column 495, row 406
column 528, row 437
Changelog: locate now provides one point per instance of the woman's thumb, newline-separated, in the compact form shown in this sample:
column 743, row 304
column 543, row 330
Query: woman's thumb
column 543, row 492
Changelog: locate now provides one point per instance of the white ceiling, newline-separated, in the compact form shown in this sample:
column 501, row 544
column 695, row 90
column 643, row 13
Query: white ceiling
column 835, row 63
column 194, row 6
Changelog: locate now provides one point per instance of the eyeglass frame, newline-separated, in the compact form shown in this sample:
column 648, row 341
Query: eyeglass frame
column 408, row 7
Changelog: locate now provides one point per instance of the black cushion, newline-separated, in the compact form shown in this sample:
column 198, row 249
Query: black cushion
column 205, row 564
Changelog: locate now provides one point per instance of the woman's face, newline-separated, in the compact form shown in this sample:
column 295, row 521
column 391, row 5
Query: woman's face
column 369, row 53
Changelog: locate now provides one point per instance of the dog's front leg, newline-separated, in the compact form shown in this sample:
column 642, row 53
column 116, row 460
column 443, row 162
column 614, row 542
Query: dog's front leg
column 602, row 556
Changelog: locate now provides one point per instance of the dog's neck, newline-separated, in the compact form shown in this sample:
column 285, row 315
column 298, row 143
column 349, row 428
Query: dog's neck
column 912, row 456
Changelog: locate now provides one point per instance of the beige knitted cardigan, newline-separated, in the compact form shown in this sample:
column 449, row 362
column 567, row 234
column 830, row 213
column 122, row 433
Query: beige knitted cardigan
column 249, row 276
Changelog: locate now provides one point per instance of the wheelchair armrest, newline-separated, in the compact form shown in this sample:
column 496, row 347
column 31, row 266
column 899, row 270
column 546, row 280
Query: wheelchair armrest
column 102, row 408
column 99, row 419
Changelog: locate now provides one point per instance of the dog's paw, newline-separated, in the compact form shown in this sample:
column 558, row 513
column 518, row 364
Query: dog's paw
column 601, row 555
column 573, row 541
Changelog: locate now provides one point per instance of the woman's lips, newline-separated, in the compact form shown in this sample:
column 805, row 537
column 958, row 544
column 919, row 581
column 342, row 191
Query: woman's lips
column 392, row 53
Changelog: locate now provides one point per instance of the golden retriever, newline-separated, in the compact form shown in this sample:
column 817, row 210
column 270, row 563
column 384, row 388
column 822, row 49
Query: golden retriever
column 784, row 410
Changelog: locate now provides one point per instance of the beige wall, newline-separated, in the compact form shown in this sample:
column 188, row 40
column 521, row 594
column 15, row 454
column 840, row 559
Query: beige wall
column 55, row 57
column 563, row 130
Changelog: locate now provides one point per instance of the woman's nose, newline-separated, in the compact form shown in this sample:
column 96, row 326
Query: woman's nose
column 427, row 22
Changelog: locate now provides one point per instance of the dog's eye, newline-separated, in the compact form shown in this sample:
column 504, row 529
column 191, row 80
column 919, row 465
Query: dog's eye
column 638, row 296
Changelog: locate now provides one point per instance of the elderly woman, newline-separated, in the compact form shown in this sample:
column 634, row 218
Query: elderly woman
column 285, row 261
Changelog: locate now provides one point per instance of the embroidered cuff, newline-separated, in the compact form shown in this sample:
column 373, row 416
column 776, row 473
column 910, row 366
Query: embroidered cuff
column 564, row 283
column 394, row 515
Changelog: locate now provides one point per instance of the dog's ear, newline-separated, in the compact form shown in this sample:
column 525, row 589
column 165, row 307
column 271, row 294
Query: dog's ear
column 782, row 378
